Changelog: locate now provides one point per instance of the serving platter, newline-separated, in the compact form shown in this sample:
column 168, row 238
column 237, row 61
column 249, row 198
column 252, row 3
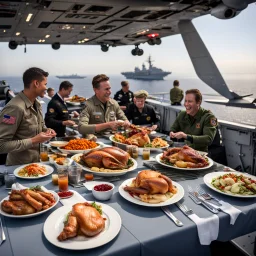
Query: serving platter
column 72, row 152
column 210, row 161
column 102, row 173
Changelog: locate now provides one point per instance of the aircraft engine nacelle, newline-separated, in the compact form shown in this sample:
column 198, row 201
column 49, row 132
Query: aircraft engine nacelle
column 224, row 12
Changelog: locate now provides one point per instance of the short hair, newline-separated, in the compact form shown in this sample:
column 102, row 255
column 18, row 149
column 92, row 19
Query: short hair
column 124, row 83
column 65, row 85
column 176, row 82
column 33, row 74
column 50, row 89
column 197, row 93
column 98, row 79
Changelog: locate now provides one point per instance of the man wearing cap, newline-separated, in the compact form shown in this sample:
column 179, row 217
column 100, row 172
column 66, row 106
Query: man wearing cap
column 195, row 125
column 141, row 113
column 176, row 94
column 124, row 97
column 101, row 113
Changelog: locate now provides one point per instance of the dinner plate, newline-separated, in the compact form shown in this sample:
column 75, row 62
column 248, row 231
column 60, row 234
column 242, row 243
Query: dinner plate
column 48, row 168
column 176, row 197
column 140, row 148
column 105, row 173
column 72, row 152
column 53, row 226
column 209, row 176
column 188, row 169
column 32, row 214
column 73, row 103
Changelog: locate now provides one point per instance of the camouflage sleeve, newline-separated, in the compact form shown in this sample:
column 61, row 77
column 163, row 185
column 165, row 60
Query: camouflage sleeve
column 119, row 113
column 83, row 126
column 209, row 130
column 176, row 125
column 8, row 131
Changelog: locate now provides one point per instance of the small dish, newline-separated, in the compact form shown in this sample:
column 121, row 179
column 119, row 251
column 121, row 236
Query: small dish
column 58, row 143
column 103, row 191
column 66, row 162
column 65, row 194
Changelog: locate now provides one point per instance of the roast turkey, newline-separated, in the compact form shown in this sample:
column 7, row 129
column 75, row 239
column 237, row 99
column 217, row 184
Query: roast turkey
column 138, row 139
column 109, row 157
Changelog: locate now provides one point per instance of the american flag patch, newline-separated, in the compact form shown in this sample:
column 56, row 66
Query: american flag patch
column 9, row 119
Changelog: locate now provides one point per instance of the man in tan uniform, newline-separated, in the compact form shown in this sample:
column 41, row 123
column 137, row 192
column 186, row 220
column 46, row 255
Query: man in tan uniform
column 101, row 112
column 22, row 126
column 176, row 94
column 196, row 125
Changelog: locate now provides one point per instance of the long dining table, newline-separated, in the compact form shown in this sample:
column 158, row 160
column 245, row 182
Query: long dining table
column 145, row 231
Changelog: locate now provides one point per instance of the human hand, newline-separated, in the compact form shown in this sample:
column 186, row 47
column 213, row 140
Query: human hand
column 123, row 107
column 68, row 123
column 178, row 135
column 126, row 124
column 113, row 125
column 41, row 137
column 75, row 113
column 154, row 127
column 51, row 132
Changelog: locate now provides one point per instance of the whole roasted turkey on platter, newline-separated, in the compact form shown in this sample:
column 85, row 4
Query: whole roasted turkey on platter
column 184, row 157
column 109, row 157
column 152, row 187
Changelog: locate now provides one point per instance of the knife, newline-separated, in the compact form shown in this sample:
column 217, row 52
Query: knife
column 151, row 166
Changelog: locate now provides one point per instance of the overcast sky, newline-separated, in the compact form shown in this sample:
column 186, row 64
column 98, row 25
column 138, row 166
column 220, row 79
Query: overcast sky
column 230, row 42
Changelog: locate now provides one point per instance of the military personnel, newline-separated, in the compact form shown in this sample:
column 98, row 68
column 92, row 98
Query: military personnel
column 195, row 124
column 101, row 112
column 57, row 116
column 176, row 94
column 22, row 126
column 50, row 92
column 141, row 113
column 124, row 97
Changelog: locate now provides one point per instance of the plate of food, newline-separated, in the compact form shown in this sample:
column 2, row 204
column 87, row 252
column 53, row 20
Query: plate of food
column 80, row 146
column 184, row 158
column 152, row 189
column 26, row 203
column 106, row 226
column 33, row 171
column 108, row 161
column 234, row 184
column 73, row 103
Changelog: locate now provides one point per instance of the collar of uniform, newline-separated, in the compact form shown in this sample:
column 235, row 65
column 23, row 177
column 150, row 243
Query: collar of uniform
column 198, row 114
column 25, row 99
column 96, row 101
column 60, row 96
column 144, row 110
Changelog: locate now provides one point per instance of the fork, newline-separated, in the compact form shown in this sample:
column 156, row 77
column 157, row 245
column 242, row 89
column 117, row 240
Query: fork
column 207, row 196
column 2, row 235
column 184, row 209
column 171, row 216
column 195, row 197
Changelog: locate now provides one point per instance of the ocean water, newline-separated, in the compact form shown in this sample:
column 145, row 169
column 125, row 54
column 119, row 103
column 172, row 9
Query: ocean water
column 242, row 84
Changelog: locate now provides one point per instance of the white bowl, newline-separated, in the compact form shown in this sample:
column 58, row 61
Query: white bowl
column 65, row 165
column 103, row 195
column 58, row 143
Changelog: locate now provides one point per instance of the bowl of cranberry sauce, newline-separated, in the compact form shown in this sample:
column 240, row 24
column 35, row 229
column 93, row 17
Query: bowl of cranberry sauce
column 103, row 191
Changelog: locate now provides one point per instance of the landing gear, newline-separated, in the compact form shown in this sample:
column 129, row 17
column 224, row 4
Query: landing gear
column 104, row 47
column 137, row 51
column 154, row 41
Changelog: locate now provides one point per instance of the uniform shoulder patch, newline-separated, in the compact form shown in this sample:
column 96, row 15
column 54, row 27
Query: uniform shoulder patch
column 213, row 121
column 51, row 110
column 7, row 119
column 148, row 118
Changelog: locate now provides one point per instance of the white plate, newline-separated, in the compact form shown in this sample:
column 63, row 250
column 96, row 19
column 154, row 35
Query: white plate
column 119, row 143
column 208, row 179
column 48, row 168
column 188, row 169
column 29, row 215
column 73, row 103
column 58, row 143
column 53, row 226
column 172, row 200
column 106, row 173
column 72, row 152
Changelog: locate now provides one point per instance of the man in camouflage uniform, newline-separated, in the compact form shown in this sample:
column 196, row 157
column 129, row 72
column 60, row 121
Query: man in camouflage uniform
column 22, row 126
column 101, row 112
column 176, row 94
column 195, row 125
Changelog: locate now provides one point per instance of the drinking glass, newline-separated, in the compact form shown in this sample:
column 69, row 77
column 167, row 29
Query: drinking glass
column 135, row 152
column 129, row 149
column 63, row 179
column 146, row 153
column 9, row 179
column 44, row 153
column 89, row 176
column 55, row 179
column 74, row 174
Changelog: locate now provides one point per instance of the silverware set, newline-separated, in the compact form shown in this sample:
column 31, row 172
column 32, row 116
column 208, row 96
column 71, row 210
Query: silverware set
column 207, row 196
column 184, row 209
column 166, row 210
column 2, row 235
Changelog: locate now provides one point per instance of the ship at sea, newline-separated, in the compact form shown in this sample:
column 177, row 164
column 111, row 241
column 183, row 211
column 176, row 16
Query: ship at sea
column 73, row 76
column 152, row 73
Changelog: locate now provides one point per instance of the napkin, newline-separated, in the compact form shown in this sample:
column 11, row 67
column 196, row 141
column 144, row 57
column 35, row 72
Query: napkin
column 18, row 186
column 207, row 228
column 229, row 209
column 76, row 198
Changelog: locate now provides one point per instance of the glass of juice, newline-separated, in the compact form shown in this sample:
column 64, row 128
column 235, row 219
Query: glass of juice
column 55, row 179
column 88, row 176
column 135, row 152
column 63, row 179
column 129, row 149
column 146, row 153
column 44, row 153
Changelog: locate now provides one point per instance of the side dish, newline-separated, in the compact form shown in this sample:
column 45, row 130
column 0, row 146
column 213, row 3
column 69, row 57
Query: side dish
column 32, row 170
